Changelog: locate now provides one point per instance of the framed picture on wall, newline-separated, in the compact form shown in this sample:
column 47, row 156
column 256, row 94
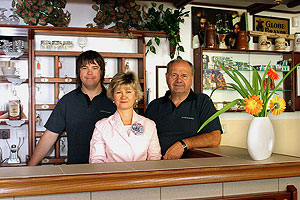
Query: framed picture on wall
column 270, row 25
column 227, row 23
column 161, row 84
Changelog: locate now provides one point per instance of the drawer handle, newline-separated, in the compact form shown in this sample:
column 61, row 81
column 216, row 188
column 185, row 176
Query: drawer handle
column 68, row 80
column 45, row 106
column 44, row 80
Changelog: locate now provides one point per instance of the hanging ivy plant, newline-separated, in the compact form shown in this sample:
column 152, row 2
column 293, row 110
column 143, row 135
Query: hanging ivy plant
column 43, row 12
column 158, row 19
column 124, row 16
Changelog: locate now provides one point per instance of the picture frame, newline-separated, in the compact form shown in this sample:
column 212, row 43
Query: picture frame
column 227, row 23
column 270, row 25
column 161, row 83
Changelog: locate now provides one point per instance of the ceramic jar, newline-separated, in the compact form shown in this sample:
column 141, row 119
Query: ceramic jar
column 263, row 43
column 281, row 44
column 297, row 42
column 242, row 40
column 210, row 36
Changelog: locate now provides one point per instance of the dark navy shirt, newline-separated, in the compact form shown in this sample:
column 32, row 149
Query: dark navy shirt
column 77, row 115
column 176, row 123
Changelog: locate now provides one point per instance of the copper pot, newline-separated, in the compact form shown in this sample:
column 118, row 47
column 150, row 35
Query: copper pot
column 210, row 36
column 242, row 40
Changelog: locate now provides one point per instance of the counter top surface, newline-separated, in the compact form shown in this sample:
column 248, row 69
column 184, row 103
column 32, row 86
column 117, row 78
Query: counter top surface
column 216, row 165
column 229, row 156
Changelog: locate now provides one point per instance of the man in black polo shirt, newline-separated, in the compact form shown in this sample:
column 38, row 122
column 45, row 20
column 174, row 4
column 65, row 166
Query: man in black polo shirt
column 78, row 111
column 179, row 114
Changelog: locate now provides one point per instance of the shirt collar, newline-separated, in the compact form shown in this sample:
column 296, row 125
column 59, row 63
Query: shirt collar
column 190, row 97
column 103, row 92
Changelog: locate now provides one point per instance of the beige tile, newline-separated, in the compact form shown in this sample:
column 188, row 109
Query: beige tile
column 94, row 168
column 21, row 172
column 7, row 198
column 248, row 187
column 191, row 191
column 140, row 194
column 216, row 161
column 72, row 196
column 160, row 164
column 283, row 182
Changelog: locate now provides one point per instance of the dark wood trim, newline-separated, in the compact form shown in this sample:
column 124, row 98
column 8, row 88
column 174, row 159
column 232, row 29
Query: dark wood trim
column 181, row 3
column 43, row 185
column 241, row 7
column 296, row 60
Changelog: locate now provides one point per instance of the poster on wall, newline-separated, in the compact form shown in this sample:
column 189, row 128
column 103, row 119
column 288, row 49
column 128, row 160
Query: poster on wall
column 227, row 24
column 270, row 25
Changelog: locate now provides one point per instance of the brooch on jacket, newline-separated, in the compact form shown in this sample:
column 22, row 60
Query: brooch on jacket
column 137, row 128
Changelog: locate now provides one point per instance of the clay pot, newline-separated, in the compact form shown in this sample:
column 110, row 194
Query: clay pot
column 242, row 40
column 210, row 36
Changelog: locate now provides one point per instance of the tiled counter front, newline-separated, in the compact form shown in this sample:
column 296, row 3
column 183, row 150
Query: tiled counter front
column 232, row 173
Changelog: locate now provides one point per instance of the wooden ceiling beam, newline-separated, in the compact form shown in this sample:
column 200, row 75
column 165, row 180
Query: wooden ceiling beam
column 259, row 7
column 293, row 3
column 180, row 3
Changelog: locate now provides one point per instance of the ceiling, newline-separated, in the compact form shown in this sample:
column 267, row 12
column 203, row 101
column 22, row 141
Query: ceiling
column 252, row 6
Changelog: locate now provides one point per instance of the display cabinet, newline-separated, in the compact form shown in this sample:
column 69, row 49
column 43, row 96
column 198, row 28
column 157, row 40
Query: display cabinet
column 61, row 59
column 210, row 77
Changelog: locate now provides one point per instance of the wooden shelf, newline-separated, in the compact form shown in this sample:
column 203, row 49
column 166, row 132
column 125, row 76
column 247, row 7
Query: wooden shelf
column 77, row 53
column 272, row 35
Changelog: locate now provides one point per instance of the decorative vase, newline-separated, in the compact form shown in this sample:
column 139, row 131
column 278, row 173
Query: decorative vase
column 260, row 138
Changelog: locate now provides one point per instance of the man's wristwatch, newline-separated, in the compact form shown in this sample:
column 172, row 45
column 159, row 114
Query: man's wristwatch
column 183, row 145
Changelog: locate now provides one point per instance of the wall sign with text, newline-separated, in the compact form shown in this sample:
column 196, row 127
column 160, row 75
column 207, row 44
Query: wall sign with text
column 271, row 24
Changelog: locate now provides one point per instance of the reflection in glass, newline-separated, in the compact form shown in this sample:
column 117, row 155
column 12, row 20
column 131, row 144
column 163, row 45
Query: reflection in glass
column 3, row 18
column 13, row 18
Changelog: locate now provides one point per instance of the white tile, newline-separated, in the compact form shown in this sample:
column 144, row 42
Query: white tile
column 7, row 198
column 72, row 196
column 248, row 187
column 191, row 191
column 283, row 182
column 141, row 194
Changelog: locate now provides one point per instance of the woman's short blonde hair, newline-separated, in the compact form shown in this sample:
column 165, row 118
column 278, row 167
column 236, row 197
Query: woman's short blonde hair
column 129, row 78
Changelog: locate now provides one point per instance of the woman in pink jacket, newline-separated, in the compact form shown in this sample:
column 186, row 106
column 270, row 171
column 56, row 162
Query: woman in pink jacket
column 124, row 136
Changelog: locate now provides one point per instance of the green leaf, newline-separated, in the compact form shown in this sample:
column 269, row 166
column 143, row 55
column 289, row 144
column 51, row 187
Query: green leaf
column 245, row 81
column 157, row 41
column 152, row 49
column 214, row 116
column 180, row 48
column 161, row 7
column 149, row 43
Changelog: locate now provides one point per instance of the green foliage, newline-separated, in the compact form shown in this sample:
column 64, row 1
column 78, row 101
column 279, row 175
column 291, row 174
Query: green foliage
column 125, row 15
column 158, row 19
column 43, row 12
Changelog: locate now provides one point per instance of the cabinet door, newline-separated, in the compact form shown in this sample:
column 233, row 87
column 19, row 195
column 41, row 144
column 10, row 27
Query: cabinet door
column 214, row 80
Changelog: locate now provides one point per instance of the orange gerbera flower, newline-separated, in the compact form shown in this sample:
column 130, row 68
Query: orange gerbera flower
column 253, row 105
column 272, row 74
column 277, row 105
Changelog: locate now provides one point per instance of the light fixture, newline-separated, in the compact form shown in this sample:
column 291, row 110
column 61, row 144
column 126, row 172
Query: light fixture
column 277, row 1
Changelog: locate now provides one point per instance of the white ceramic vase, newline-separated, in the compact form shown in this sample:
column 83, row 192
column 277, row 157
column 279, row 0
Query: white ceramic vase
column 260, row 138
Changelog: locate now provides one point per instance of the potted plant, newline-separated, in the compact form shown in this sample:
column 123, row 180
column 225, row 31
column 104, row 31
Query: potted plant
column 43, row 12
column 158, row 19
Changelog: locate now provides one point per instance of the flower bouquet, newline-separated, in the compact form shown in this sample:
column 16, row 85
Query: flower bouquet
column 257, row 96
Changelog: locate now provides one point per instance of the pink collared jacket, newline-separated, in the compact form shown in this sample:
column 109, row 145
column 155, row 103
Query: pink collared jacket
column 114, row 142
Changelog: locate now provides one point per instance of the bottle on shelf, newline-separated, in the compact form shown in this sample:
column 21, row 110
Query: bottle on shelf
column 14, row 107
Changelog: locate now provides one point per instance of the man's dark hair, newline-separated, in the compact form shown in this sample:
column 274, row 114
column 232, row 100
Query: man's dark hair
column 89, row 57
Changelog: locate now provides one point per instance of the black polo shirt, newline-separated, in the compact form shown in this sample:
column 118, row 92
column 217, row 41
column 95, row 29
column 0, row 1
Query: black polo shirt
column 77, row 115
column 176, row 123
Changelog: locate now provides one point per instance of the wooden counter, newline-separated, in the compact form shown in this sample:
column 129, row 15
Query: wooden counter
column 229, row 164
